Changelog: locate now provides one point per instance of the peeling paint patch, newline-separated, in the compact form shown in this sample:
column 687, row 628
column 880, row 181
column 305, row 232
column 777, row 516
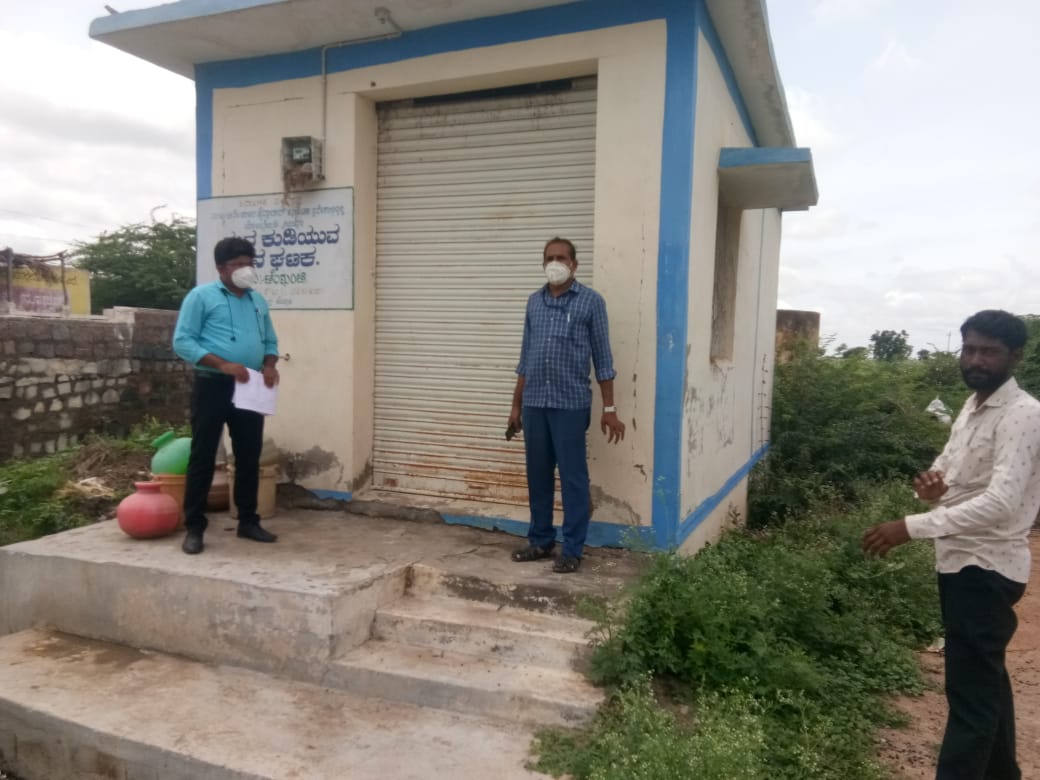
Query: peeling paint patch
column 362, row 479
column 600, row 497
column 304, row 464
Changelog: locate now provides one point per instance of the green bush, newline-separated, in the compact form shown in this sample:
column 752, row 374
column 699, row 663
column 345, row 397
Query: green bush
column 32, row 503
column 839, row 424
column 29, row 506
column 635, row 738
column 1028, row 372
column 790, row 636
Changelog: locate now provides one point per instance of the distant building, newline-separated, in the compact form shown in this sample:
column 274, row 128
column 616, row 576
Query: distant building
column 399, row 171
column 794, row 327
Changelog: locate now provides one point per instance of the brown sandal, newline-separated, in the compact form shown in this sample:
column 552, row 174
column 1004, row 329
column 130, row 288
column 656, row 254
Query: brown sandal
column 531, row 553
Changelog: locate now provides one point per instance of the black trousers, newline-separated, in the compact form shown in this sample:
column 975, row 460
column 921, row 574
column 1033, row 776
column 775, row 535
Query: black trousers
column 977, row 611
column 211, row 410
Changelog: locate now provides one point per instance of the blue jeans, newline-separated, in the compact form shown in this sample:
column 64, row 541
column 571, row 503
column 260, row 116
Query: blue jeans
column 556, row 437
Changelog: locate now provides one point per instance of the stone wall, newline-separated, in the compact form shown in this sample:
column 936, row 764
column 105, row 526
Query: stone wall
column 61, row 378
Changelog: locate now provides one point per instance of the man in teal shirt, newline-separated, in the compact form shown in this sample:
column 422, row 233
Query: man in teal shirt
column 224, row 328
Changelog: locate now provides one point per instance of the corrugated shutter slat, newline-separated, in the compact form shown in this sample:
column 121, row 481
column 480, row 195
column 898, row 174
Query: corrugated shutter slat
column 468, row 191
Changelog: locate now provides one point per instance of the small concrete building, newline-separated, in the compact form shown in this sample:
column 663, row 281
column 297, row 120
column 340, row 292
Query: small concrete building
column 399, row 166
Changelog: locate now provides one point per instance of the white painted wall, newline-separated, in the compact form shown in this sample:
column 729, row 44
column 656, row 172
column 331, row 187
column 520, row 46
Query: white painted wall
column 327, row 385
column 721, row 406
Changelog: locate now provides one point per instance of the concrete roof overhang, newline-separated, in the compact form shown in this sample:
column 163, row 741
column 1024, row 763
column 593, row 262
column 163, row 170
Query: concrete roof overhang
column 179, row 35
column 762, row 178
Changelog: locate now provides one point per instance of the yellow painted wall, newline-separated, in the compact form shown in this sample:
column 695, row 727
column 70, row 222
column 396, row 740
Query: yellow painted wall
column 36, row 294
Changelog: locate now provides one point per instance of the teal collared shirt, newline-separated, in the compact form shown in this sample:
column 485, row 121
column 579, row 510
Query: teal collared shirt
column 214, row 320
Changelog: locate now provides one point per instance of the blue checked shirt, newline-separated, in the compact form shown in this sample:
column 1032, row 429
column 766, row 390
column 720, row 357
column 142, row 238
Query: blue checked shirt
column 561, row 337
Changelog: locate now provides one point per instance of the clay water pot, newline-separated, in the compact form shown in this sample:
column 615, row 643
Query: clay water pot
column 148, row 513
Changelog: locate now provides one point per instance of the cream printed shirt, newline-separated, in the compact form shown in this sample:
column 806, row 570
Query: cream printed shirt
column 991, row 464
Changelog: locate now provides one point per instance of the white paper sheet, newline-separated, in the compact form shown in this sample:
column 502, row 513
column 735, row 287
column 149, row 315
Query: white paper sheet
column 254, row 395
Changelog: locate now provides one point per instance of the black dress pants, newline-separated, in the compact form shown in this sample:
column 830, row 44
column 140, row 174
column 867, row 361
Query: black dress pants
column 211, row 410
column 977, row 611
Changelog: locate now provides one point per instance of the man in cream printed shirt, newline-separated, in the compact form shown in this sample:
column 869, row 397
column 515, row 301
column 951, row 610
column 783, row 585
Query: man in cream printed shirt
column 984, row 490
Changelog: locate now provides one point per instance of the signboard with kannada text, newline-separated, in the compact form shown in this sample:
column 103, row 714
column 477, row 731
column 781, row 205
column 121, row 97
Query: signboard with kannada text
column 304, row 251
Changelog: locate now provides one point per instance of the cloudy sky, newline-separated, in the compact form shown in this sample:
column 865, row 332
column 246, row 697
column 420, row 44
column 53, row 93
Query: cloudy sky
column 918, row 113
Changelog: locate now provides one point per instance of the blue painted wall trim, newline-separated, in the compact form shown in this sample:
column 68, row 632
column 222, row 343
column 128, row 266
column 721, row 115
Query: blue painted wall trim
column 684, row 18
column 490, row 31
column 458, row 36
column 706, row 507
column 600, row 534
column 203, row 135
column 707, row 26
column 338, row 494
column 737, row 157
column 673, row 269
column 616, row 535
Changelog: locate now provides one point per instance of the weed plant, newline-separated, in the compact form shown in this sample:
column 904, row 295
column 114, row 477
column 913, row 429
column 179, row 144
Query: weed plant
column 839, row 424
column 32, row 503
column 782, row 644
column 29, row 507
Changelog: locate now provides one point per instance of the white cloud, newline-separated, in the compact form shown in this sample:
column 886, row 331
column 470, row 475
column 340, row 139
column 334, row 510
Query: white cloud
column 896, row 58
column 100, row 138
column 823, row 222
column 838, row 12
column 900, row 298
column 811, row 122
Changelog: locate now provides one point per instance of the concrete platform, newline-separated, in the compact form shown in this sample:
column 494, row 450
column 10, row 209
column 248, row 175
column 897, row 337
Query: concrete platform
column 287, row 607
column 401, row 635
column 90, row 711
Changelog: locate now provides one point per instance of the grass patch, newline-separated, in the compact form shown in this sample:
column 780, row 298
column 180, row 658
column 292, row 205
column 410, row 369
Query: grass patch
column 780, row 646
column 41, row 496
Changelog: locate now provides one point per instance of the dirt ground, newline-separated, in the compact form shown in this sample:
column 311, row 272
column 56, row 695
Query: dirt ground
column 911, row 752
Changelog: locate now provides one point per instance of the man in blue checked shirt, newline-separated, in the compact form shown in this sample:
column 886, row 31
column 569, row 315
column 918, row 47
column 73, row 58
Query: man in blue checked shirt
column 565, row 330
column 223, row 329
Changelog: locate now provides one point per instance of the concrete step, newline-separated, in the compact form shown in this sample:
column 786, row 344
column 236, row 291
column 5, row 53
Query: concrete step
column 526, row 586
column 485, row 630
column 460, row 682
column 80, row 709
column 280, row 608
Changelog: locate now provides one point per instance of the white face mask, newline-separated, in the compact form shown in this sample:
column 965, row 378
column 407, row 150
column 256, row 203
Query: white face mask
column 244, row 278
column 556, row 272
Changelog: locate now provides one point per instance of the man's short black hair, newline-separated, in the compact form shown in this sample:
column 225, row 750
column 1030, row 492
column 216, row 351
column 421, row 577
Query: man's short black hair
column 228, row 249
column 998, row 324
column 558, row 240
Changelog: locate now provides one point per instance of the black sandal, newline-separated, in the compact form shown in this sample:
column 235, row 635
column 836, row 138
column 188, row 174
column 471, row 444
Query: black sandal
column 566, row 565
column 531, row 553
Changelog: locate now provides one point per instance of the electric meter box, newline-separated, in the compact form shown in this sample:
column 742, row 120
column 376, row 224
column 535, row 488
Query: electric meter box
column 302, row 158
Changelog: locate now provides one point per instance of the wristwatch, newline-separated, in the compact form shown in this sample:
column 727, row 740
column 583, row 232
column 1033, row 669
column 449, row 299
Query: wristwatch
column 608, row 409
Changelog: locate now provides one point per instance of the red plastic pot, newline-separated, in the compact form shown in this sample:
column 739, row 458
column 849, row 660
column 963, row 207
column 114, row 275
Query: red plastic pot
column 148, row 513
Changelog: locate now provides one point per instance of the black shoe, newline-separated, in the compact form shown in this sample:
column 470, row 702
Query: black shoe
column 255, row 532
column 192, row 544
column 566, row 565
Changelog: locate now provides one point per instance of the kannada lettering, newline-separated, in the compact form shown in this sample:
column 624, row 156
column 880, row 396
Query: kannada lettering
column 288, row 259
column 304, row 251
column 282, row 279
column 293, row 237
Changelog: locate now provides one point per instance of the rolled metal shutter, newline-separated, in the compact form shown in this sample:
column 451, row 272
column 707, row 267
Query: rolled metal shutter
column 468, row 192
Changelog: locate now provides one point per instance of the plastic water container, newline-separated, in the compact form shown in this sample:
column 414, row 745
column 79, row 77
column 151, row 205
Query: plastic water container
column 266, row 494
column 172, row 454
